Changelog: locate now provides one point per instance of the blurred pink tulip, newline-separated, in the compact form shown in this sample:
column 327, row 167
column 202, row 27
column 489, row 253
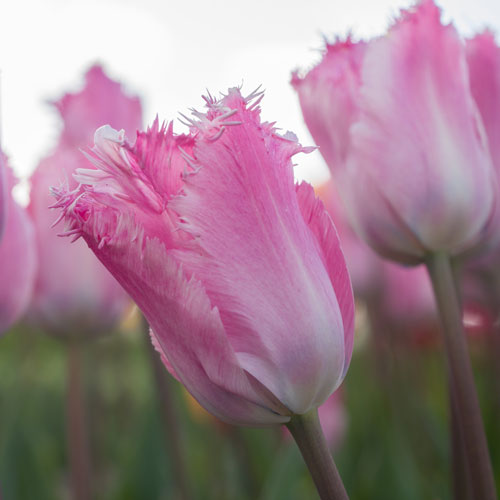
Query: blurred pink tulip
column 407, row 296
column 333, row 418
column 404, row 294
column 364, row 265
column 3, row 201
column 399, row 128
column 238, row 271
column 74, row 293
column 17, row 258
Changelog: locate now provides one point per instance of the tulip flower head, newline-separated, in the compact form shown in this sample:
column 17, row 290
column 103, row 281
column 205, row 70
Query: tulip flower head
column 399, row 128
column 17, row 258
column 237, row 269
column 74, row 293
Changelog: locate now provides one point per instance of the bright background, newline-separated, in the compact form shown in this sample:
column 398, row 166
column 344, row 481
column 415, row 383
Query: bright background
column 169, row 52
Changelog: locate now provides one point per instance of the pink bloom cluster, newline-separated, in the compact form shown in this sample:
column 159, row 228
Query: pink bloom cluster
column 237, row 269
column 408, row 125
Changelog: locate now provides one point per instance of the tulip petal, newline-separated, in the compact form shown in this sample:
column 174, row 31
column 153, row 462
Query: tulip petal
column 259, row 262
column 483, row 59
column 320, row 223
column 328, row 97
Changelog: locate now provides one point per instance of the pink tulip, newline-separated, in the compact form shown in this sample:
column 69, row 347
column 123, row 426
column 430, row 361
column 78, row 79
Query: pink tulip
column 17, row 259
column 333, row 418
column 407, row 295
column 74, row 293
column 238, row 271
column 404, row 293
column 483, row 60
column 399, row 128
column 3, row 201
column 364, row 265
column 102, row 101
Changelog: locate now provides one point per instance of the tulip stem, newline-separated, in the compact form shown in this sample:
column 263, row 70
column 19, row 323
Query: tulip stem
column 307, row 432
column 76, row 427
column 462, row 378
column 170, row 420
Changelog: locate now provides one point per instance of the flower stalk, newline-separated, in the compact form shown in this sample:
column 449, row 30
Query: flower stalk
column 462, row 378
column 169, row 418
column 307, row 432
column 76, row 427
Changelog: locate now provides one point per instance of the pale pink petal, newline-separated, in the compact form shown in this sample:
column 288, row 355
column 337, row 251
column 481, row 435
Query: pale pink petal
column 258, row 260
column 420, row 169
column 17, row 261
column 328, row 97
column 102, row 101
column 483, row 59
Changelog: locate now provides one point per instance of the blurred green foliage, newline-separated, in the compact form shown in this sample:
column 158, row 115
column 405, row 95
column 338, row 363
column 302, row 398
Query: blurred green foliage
column 396, row 445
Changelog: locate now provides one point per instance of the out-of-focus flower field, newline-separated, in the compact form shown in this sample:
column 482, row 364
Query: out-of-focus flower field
column 395, row 444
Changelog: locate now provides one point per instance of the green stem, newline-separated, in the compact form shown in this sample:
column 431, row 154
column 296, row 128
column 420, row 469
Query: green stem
column 306, row 430
column 77, row 438
column 170, row 420
column 464, row 395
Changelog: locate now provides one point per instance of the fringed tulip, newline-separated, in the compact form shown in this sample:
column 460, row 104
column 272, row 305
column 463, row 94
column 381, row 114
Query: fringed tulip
column 74, row 293
column 17, row 258
column 238, row 271
column 399, row 128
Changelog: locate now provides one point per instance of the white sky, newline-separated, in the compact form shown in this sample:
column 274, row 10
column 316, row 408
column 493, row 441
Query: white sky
column 169, row 52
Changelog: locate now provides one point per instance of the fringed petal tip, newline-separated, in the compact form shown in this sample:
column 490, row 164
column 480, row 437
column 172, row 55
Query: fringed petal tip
column 421, row 11
column 345, row 49
column 233, row 109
